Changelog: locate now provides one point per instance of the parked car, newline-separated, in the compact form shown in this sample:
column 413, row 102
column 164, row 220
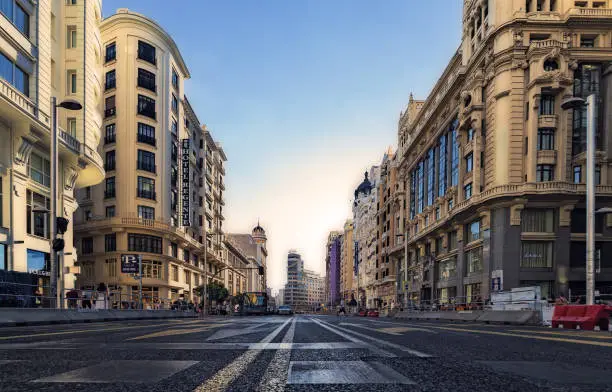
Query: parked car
column 363, row 313
column 285, row 309
column 372, row 313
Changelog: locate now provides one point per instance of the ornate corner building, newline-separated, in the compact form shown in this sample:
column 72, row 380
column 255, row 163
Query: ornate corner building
column 492, row 170
column 47, row 49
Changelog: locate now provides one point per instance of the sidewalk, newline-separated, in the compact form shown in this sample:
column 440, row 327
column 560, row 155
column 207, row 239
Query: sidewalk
column 25, row 317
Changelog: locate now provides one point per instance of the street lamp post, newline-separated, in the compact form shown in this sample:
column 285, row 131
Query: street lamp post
column 590, row 103
column 54, row 292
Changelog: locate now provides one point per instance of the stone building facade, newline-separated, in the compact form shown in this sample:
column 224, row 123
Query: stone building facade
column 493, row 170
column 348, row 271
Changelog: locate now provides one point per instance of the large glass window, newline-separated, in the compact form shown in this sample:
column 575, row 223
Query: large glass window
column 145, row 212
column 545, row 173
column 473, row 260
column 144, row 243
column 146, row 161
column 109, row 164
column 109, row 191
column 109, row 106
column 547, row 104
column 152, row 269
column 38, row 261
column 111, row 81
column 536, row 254
column 146, row 52
column 146, row 188
column 110, row 242
column 421, row 188
column 587, row 81
column 40, row 169
column 146, row 79
column 146, row 106
column 175, row 79
column 16, row 14
column 37, row 214
column 546, row 139
column 473, row 231
column 431, row 176
column 110, row 268
column 454, row 155
column 146, row 134
column 110, row 211
column 538, row 220
column 413, row 180
column 174, row 104
column 442, row 157
column 14, row 75
column 447, row 269
column 452, row 241
column 87, row 245
column 469, row 163
column 467, row 191
column 111, row 52
column 577, row 174
column 109, row 134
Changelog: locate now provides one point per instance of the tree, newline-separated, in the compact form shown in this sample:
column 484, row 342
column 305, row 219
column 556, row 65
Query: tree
column 216, row 291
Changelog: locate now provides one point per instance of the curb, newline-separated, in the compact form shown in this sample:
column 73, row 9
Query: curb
column 84, row 321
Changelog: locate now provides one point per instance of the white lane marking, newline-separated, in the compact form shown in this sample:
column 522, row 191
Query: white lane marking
column 229, row 332
column 397, row 331
column 275, row 377
column 383, row 342
column 344, row 372
column 224, row 377
column 353, row 339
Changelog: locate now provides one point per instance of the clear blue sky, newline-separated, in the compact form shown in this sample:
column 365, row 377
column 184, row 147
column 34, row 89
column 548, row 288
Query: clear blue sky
column 304, row 95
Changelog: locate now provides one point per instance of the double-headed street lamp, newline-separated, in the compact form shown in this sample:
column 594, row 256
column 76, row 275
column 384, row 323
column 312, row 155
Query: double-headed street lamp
column 576, row 103
column 68, row 105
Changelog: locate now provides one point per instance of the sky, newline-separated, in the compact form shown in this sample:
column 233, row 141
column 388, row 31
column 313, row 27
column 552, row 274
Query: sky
column 304, row 96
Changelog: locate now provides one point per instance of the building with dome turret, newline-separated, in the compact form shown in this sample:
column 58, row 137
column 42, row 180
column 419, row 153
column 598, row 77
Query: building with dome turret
column 364, row 232
column 253, row 246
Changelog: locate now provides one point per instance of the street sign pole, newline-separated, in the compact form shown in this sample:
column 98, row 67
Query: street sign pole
column 140, row 280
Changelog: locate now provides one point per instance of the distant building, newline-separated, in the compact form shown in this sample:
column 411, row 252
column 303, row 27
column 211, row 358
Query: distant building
column 332, row 268
column 348, row 278
column 253, row 246
column 315, row 289
column 295, row 289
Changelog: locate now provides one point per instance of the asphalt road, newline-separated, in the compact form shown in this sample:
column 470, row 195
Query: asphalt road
column 302, row 353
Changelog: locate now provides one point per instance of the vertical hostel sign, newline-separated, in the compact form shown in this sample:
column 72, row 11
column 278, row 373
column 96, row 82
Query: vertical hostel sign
column 185, row 150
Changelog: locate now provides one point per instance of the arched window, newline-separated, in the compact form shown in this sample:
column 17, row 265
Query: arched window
column 467, row 100
column 551, row 65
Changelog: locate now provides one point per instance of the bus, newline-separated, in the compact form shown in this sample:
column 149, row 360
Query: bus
column 255, row 302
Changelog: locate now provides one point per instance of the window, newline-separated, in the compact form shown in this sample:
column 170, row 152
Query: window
column 110, row 81
column 175, row 79
column 88, row 193
column 597, row 174
column 538, row 220
column 467, row 191
column 72, row 125
column 447, row 269
column 547, row 104
column 473, row 260
column 587, row 81
column 146, row 106
column 545, row 173
column 109, row 107
column 144, row 243
column 109, row 191
column 38, row 220
column 186, row 256
column 110, row 268
column 546, row 139
column 146, row 79
column 451, row 204
column 146, row 188
column 71, row 2
column 111, row 52
column 470, row 134
column 14, row 75
column 40, row 169
column 19, row 17
column 577, row 174
column 146, row 52
column 110, row 242
column 473, row 231
column 87, row 245
column 146, row 134
column 145, row 212
column 174, row 250
column 421, row 186
column 110, row 212
column 587, row 41
column 72, row 82
column 109, row 134
column 442, row 158
column 535, row 254
column 188, row 277
column 551, row 65
column 71, row 37
column 437, row 214
column 174, row 104
column 109, row 164
column 454, row 155
column 452, row 241
column 152, row 269
column 88, row 215
column 146, row 161
column 469, row 163
column 175, row 272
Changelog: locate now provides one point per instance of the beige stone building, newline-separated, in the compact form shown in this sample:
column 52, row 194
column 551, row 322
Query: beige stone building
column 47, row 49
column 348, row 280
column 493, row 170
column 253, row 246
column 162, row 197
column 315, row 289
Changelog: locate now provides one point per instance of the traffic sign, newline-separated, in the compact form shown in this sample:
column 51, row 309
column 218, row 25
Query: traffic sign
column 129, row 264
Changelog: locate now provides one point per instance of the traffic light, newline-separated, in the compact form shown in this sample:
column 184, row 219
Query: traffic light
column 260, row 270
column 58, row 244
column 62, row 224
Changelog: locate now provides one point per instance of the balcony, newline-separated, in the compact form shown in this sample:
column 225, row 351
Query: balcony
column 110, row 139
column 146, row 139
column 589, row 13
column 147, row 83
column 147, row 111
column 70, row 141
column 547, row 121
column 110, row 194
column 146, row 166
column 110, row 112
column 22, row 102
column 145, row 194
column 547, row 157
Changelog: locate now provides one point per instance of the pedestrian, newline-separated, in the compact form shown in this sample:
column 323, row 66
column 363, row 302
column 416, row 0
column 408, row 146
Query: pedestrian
column 86, row 303
column 228, row 309
column 342, row 308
